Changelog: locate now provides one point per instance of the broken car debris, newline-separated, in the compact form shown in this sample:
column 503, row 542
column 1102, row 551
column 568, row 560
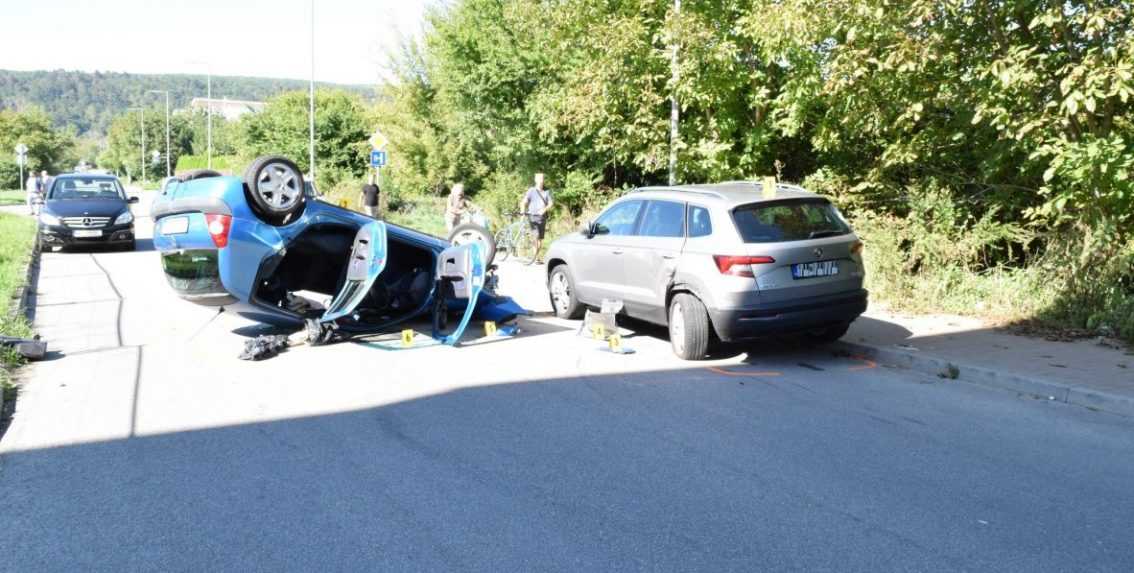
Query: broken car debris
column 29, row 348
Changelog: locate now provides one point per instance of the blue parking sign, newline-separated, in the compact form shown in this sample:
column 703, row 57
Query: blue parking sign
column 377, row 158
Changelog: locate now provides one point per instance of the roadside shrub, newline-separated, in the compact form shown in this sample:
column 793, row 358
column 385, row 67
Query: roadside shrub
column 1094, row 283
column 502, row 194
column 936, row 257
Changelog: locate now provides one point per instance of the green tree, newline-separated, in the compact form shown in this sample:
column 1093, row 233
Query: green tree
column 123, row 150
column 226, row 134
column 341, row 132
column 47, row 146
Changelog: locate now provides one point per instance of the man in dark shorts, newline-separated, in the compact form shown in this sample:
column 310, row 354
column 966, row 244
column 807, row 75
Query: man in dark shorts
column 369, row 198
column 535, row 204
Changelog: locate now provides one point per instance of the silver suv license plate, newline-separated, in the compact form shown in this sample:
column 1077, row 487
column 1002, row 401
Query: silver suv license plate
column 815, row 270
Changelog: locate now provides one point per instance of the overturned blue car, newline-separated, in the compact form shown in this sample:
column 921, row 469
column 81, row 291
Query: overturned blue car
column 265, row 247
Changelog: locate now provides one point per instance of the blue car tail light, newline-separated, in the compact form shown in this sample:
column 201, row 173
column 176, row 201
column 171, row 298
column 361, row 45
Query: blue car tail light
column 219, row 226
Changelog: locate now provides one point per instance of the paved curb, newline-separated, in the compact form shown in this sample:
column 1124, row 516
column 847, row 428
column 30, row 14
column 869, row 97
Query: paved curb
column 23, row 292
column 949, row 369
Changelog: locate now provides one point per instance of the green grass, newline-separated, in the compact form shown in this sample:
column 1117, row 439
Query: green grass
column 423, row 214
column 13, row 197
column 17, row 235
column 221, row 163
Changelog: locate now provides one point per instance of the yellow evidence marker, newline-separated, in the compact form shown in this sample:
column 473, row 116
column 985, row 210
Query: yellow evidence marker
column 769, row 188
column 490, row 328
column 598, row 331
column 407, row 337
column 615, row 342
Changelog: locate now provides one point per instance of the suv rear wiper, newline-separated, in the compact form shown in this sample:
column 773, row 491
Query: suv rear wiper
column 826, row 233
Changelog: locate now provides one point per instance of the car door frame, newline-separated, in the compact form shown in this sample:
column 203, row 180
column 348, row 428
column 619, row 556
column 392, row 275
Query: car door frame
column 602, row 253
column 650, row 264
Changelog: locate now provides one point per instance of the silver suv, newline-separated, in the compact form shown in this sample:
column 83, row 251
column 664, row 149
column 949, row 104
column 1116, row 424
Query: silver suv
column 727, row 258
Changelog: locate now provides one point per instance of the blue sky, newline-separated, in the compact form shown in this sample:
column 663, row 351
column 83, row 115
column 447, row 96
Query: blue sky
column 262, row 38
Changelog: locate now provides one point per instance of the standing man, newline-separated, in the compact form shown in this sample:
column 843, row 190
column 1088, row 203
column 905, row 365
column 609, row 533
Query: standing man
column 369, row 197
column 456, row 207
column 32, row 186
column 536, row 203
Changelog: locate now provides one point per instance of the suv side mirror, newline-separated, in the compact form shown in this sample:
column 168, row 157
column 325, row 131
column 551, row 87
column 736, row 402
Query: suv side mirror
column 132, row 199
column 588, row 229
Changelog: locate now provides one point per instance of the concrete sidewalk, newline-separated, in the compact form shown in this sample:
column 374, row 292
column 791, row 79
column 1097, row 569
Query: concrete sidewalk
column 1085, row 372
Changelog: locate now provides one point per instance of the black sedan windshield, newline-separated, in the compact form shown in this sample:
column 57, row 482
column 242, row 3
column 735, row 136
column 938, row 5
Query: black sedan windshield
column 86, row 188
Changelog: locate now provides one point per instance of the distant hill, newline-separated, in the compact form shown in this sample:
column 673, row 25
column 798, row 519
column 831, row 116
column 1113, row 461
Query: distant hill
column 89, row 101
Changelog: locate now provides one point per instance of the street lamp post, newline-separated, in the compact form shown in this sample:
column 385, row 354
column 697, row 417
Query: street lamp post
column 674, row 109
column 311, row 101
column 209, row 116
column 208, row 110
column 168, row 165
column 142, row 129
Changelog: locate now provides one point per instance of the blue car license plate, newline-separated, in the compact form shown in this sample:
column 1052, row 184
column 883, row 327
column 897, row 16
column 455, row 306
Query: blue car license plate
column 174, row 225
column 815, row 270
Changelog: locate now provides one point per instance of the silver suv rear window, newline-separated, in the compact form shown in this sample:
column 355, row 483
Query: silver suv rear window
column 780, row 221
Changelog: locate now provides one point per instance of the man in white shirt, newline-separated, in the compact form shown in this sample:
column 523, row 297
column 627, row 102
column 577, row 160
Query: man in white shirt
column 535, row 204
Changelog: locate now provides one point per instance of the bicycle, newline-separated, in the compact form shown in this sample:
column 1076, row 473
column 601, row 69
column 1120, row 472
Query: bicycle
column 516, row 238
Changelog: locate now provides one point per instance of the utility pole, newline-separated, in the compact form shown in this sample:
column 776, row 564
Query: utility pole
column 168, row 166
column 208, row 110
column 209, row 115
column 674, row 110
column 142, row 128
column 311, row 102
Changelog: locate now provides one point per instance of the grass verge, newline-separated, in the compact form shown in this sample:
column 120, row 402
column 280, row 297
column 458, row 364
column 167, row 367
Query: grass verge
column 12, row 197
column 17, row 235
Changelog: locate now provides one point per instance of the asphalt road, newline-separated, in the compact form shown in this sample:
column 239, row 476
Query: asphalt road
column 146, row 445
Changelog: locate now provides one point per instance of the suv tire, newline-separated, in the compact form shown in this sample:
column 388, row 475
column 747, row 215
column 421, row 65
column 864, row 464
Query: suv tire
column 827, row 335
column 688, row 327
column 568, row 304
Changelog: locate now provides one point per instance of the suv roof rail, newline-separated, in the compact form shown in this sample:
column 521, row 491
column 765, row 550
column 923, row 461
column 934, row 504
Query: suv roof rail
column 779, row 184
column 694, row 191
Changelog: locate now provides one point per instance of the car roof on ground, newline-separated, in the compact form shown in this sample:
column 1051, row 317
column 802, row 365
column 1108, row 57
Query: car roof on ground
column 729, row 194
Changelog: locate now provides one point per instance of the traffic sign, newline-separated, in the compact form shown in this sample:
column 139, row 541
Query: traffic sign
column 378, row 141
column 377, row 158
column 21, row 149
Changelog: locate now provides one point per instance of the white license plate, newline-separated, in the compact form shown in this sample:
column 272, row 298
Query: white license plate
column 86, row 234
column 174, row 225
column 815, row 270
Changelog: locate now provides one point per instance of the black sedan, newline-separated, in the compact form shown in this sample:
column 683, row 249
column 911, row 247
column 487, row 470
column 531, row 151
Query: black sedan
column 84, row 209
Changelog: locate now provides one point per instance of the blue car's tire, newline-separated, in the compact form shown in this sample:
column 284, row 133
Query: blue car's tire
column 198, row 174
column 274, row 187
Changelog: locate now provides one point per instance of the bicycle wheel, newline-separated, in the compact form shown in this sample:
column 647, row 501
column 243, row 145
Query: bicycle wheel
column 525, row 245
column 504, row 244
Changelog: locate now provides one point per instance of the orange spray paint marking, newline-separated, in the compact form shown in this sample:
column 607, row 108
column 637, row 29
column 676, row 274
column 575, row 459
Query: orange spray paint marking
column 868, row 364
